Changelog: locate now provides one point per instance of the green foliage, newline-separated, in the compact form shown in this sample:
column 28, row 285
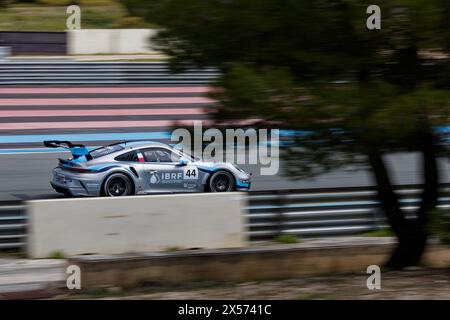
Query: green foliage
column 287, row 239
column 173, row 249
column 131, row 22
column 378, row 233
column 57, row 254
column 55, row 2
column 440, row 225
column 50, row 15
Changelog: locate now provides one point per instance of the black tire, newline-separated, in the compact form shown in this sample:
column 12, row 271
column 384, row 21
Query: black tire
column 117, row 185
column 222, row 181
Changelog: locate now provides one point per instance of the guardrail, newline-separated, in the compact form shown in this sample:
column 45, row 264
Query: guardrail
column 88, row 73
column 303, row 212
column 326, row 211
column 12, row 225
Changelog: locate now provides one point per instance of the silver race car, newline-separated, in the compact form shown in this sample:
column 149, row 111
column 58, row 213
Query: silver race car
column 140, row 167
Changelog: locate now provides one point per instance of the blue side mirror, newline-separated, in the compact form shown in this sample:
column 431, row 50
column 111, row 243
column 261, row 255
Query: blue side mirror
column 182, row 163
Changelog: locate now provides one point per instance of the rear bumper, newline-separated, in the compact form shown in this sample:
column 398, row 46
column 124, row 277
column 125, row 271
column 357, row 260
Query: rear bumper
column 60, row 189
column 74, row 185
column 75, row 192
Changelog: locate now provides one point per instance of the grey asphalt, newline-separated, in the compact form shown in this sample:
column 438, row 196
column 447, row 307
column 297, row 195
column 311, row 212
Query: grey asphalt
column 27, row 176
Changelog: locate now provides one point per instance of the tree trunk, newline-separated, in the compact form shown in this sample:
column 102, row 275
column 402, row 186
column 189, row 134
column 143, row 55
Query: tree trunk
column 386, row 193
column 411, row 234
column 413, row 239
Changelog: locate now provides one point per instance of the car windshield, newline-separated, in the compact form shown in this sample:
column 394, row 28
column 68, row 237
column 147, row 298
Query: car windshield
column 103, row 151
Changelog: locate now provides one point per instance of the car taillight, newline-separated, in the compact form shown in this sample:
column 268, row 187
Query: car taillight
column 77, row 169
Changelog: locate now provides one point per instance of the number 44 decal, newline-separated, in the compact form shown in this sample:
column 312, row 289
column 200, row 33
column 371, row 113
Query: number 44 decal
column 190, row 173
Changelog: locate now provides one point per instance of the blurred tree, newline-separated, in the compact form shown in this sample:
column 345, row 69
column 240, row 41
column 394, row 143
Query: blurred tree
column 313, row 65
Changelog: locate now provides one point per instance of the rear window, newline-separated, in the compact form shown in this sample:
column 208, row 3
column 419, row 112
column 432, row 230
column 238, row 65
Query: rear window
column 103, row 151
column 129, row 157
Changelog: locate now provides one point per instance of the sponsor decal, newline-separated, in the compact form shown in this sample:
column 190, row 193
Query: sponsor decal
column 166, row 177
column 154, row 178
column 190, row 185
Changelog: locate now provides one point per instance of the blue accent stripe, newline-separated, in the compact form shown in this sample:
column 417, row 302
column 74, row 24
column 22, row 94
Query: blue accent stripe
column 85, row 137
column 37, row 150
column 209, row 170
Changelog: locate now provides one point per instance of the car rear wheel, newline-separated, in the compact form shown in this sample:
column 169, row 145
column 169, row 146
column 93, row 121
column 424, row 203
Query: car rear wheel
column 117, row 185
column 222, row 181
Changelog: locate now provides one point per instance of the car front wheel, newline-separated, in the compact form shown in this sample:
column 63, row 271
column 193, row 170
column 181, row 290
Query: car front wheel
column 222, row 181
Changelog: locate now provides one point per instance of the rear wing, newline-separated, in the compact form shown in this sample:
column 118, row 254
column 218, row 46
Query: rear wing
column 77, row 150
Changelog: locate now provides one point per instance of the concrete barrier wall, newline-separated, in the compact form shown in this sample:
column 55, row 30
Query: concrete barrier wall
column 110, row 41
column 135, row 224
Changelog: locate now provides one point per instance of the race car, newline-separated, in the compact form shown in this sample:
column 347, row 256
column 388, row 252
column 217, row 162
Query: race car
column 140, row 167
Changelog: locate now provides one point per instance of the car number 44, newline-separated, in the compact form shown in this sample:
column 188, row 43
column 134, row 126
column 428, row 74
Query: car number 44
column 190, row 173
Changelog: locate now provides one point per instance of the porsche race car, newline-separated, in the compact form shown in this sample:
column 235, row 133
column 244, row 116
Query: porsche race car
column 140, row 167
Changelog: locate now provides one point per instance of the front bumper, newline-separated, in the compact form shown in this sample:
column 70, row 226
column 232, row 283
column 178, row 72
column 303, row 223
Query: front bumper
column 243, row 184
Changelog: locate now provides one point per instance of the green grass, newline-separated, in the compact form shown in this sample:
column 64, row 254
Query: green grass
column 173, row 249
column 378, row 233
column 287, row 239
column 57, row 254
column 42, row 17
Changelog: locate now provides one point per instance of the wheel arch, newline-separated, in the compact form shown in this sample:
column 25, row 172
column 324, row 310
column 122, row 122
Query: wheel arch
column 206, row 188
column 125, row 173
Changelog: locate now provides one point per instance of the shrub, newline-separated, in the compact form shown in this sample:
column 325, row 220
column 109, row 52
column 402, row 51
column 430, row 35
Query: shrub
column 287, row 239
column 57, row 254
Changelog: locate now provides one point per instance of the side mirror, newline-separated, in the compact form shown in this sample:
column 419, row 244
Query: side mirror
column 182, row 163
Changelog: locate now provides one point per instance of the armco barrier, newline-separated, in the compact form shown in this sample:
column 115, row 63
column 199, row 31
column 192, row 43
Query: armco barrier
column 303, row 212
column 13, row 221
column 99, row 73
column 135, row 224
column 326, row 211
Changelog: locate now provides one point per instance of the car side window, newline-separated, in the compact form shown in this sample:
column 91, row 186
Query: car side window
column 128, row 157
column 160, row 155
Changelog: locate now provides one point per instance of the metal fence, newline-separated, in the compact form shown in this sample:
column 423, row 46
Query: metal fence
column 12, row 225
column 303, row 212
column 326, row 211
column 98, row 73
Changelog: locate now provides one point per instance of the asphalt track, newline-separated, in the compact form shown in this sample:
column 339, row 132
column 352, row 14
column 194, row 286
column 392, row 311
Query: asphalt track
column 26, row 176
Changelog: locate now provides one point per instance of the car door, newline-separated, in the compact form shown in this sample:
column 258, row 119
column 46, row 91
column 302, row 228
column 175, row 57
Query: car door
column 162, row 170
